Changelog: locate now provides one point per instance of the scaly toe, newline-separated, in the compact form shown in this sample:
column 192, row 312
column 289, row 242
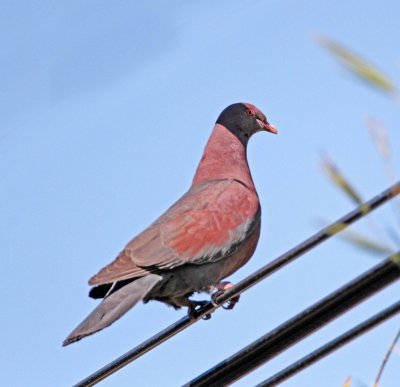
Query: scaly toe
column 221, row 288
column 214, row 297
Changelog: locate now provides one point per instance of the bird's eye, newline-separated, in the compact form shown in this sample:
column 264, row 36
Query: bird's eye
column 250, row 112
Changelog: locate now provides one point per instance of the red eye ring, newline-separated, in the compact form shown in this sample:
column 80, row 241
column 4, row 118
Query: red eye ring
column 250, row 112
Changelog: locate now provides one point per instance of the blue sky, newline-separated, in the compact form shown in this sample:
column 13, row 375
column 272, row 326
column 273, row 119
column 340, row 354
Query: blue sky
column 105, row 109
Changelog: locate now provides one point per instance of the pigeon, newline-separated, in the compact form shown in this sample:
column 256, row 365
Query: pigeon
column 207, row 235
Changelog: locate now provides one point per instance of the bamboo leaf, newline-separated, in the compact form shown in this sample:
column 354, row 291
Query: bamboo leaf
column 339, row 180
column 347, row 382
column 358, row 66
column 357, row 239
column 379, row 136
column 366, row 243
column 335, row 228
column 396, row 259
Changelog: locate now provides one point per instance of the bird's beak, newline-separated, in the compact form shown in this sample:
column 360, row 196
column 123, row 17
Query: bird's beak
column 267, row 127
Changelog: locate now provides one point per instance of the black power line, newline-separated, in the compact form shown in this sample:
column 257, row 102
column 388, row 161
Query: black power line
column 331, row 346
column 243, row 285
column 301, row 325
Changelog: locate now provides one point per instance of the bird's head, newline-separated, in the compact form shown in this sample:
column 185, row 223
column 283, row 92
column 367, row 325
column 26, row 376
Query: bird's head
column 243, row 120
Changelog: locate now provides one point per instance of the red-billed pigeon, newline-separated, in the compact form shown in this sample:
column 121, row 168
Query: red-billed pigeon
column 208, row 234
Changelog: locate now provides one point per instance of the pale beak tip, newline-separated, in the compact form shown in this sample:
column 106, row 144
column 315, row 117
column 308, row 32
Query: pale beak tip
column 272, row 129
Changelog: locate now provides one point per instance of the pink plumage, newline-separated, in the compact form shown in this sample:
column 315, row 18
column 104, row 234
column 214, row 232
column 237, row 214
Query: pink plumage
column 208, row 234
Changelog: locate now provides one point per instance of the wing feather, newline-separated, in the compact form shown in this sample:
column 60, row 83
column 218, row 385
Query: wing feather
column 207, row 223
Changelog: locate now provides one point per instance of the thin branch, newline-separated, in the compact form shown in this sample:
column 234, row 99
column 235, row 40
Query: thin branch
column 301, row 325
column 386, row 358
column 243, row 285
column 331, row 346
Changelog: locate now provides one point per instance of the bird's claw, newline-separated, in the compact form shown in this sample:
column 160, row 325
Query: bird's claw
column 221, row 288
column 195, row 307
column 230, row 304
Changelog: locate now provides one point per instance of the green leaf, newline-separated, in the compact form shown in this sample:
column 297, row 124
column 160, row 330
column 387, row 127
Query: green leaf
column 358, row 66
column 396, row 259
column 379, row 136
column 339, row 180
column 357, row 239
column 366, row 243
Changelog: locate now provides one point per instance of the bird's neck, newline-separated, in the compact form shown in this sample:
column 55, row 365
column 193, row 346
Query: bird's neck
column 224, row 157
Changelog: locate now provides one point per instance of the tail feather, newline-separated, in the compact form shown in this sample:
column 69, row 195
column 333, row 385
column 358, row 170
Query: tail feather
column 113, row 307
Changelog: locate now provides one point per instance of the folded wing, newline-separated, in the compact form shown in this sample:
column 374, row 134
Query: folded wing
column 205, row 225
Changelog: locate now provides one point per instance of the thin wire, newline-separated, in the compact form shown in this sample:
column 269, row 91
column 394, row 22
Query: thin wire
column 243, row 285
column 331, row 346
column 301, row 325
column 385, row 359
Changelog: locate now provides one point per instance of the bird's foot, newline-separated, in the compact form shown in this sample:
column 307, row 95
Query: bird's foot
column 193, row 308
column 221, row 288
